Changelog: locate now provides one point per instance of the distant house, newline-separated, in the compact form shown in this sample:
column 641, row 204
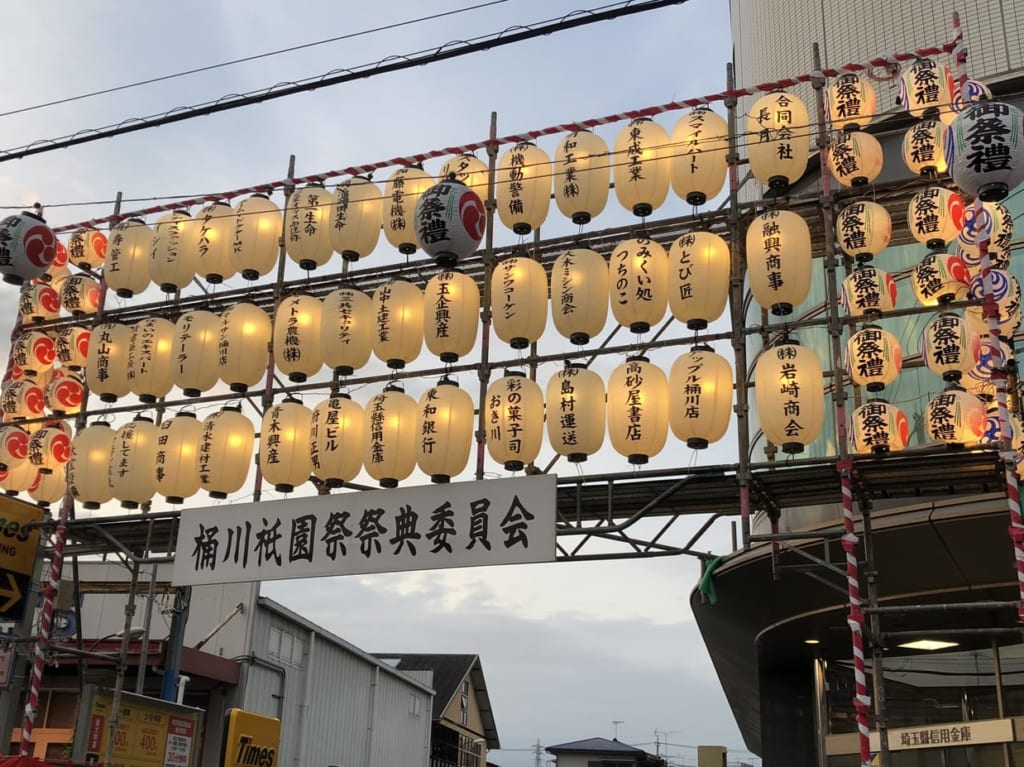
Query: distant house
column 601, row 752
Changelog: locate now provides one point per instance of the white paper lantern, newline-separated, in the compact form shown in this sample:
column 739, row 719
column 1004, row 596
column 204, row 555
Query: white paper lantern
column 150, row 359
column 65, row 393
column 581, row 176
column 955, row 417
column 34, row 352
column 868, row 291
column 698, row 164
column 863, row 229
column 519, row 301
column 874, row 358
column 28, row 247
column 700, row 397
column 73, row 346
column 878, row 428
column 211, row 235
column 391, row 421
column 638, row 279
column 307, row 236
column 855, row 159
column 13, row 445
column 87, row 248
column 225, row 452
column 397, row 336
column 132, row 458
column 337, row 437
column 779, row 139
column 779, row 260
column 256, row 236
column 949, row 347
column 106, row 366
column 446, row 426
column 80, row 295
column 939, row 278
column 49, row 489
column 451, row 315
column 38, row 302
column 514, row 420
column 523, row 187
column 923, row 148
column 851, row 102
column 177, row 457
column 699, row 272
column 88, row 470
column 576, row 412
column 18, row 479
column 450, row 222
column 935, row 216
column 640, row 166
column 985, row 150
column 126, row 271
column 637, row 409
column 172, row 260
column 579, row 294
column 194, row 352
column 297, row 345
column 346, row 329
column 22, row 400
column 356, row 218
column 789, row 391
column 401, row 194
column 926, row 89
column 284, row 445
column 245, row 331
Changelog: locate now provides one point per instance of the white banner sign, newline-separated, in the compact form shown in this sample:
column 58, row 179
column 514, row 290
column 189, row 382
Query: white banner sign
column 492, row 522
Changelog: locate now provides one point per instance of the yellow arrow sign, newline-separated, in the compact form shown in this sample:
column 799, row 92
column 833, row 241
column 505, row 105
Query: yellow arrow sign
column 12, row 593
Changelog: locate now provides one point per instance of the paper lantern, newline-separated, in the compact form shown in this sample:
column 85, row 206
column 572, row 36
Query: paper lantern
column 56, row 275
column 284, row 445
column 255, row 243
column 576, row 412
column 779, row 260
column 346, row 329
column 27, row 247
column 18, row 478
column 851, row 102
column 700, row 397
column 211, row 234
column 955, row 418
column 307, row 236
column 173, row 261
column 581, row 176
column 106, row 366
column 391, row 420
column 356, row 218
column 38, row 302
column 87, row 248
column 935, row 216
column 863, row 230
column 80, row 295
column 1005, row 293
column 868, row 291
column 789, row 391
column 150, row 359
column 72, row 346
column 974, row 90
column 640, row 168
column 993, row 433
column 451, row 311
column 132, row 459
column 926, row 89
column 878, row 428
column 638, row 279
column 514, row 418
column 60, row 259
column 699, row 272
column 874, row 358
column 450, row 220
column 245, row 331
column 519, row 301
column 49, row 448
column 297, row 348
column 985, row 150
column 991, row 358
column 468, row 170
column 990, row 222
column 948, row 346
column 523, row 187
column 855, row 159
column 939, row 278
column 446, row 426
column 225, row 451
column 579, row 294
column 65, row 394
column 126, row 270
column 923, row 150
column 401, row 194
column 779, row 139
column 698, row 164
column 88, row 469
column 397, row 335
column 336, row 440
column 49, row 488
column 34, row 352
column 638, row 409
column 13, row 445
column 194, row 351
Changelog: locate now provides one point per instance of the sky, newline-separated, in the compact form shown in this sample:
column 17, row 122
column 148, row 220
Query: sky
column 568, row 649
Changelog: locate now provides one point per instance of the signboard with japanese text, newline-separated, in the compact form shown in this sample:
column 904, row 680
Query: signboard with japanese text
column 466, row 524
column 18, row 549
column 250, row 739
column 948, row 735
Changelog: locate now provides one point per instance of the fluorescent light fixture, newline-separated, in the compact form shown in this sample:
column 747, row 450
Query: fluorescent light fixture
column 812, row 641
column 929, row 644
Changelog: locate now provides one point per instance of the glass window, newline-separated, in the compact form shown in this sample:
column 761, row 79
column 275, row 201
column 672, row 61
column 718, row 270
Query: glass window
column 286, row 646
column 298, row 648
column 415, row 705
column 274, row 645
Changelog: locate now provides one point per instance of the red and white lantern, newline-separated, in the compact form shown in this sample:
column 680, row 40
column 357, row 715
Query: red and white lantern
column 878, row 428
column 874, row 358
column 450, row 222
column 87, row 248
column 868, row 291
column 30, row 247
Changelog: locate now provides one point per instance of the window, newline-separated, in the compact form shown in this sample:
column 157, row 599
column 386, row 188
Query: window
column 274, row 645
column 298, row 648
column 415, row 705
column 286, row 647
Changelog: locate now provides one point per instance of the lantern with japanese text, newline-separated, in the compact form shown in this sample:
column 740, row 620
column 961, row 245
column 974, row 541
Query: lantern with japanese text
column 700, row 397
column 851, row 102
column 451, row 309
column 790, row 396
column 307, row 237
column 868, row 291
column 926, row 89
column 87, row 248
column 22, row 400
column 38, row 302
column 879, row 428
column 990, row 222
column 468, row 170
column 401, row 194
column 172, row 259
column 699, row 271
column 225, row 451
column 939, row 278
column 948, row 346
column 985, row 150
column 874, row 358
column 337, row 440
column 88, row 470
column 256, row 234
column 126, row 270
column 519, row 297
column 150, row 360
column 450, row 220
column 106, row 366
column 698, row 158
column 638, row 279
column 967, row 93
column 991, row 358
column 640, row 166
column 30, row 246
column 346, row 329
column 80, row 295
column 1005, row 293
column 863, row 230
column 576, row 412
column 923, row 150
column 514, row 417
column 211, row 235
column 638, row 397
column 935, row 216
column 49, row 448
column 579, row 294
column 57, row 274
column 855, row 158
column 397, row 335
column 132, row 462
column 390, row 423
column 780, row 139
column 245, row 331
column 73, row 346
column 779, row 260
column 445, row 433
column 65, row 393
column 523, row 187
column 18, row 478
column 34, row 352
column 49, row 488
column 356, row 218
column 193, row 351
column 955, row 417
column 297, row 346
column 581, row 176
column 284, row 445
column 13, row 445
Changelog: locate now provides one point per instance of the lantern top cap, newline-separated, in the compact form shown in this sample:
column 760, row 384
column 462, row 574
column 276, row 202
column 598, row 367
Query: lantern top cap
column 880, row 400
column 185, row 414
column 701, row 348
column 232, row 408
column 576, row 365
column 291, row 400
column 36, row 216
column 142, row 417
column 514, row 373
column 96, row 423
column 954, row 386
column 637, row 358
column 446, row 381
column 786, row 340
column 341, row 395
column 395, row 386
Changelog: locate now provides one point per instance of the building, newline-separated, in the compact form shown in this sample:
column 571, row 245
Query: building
column 601, row 752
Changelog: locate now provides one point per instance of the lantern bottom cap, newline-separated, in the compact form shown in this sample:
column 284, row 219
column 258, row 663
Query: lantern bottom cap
column 859, row 181
column 407, row 248
column 308, row 264
column 696, row 198
column 696, row 443
column 440, row 479
column 396, row 364
column 639, row 327
column 168, row 287
column 344, row 370
column 124, row 293
column 778, row 183
column 514, row 465
column 580, row 218
column 638, row 459
column 879, row 450
column 792, row 448
column 952, row 376
column 190, row 392
column 782, row 309
column 283, row 487
column 13, row 279
column 643, row 209
column 449, row 357
column 108, row 398
column 175, row 499
column 215, row 279
column 524, row 228
column 863, row 258
column 350, row 255
column 388, row 482
column 936, row 245
column 250, row 274
column 297, row 377
column 445, row 259
column 129, row 504
column 576, row 457
column 519, row 342
column 696, row 324
column 993, row 192
column 238, row 388
column 148, row 399
column 45, row 470
column 334, row 483
column 90, row 505
column 579, row 338
column 875, row 386
column 218, row 495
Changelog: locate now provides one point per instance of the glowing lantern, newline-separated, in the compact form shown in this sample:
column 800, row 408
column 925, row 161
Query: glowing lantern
column 949, row 347
column 451, row 308
column 991, row 358
column 637, row 409
column 789, row 390
column 445, row 433
column 356, row 218
column 346, row 328
column 49, row 448
column 88, row 470
column 132, row 462
column 60, row 259
column 172, row 259
column 926, row 89
column 519, row 294
column 640, row 169
column 391, row 421
column 985, row 150
column 874, row 358
column 80, row 295
column 49, row 488
column 38, row 302
column 34, row 352
column 307, row 235
column 923, row 150
column 245, row 331
column 194, row 349
column 73, row 346
column 336, row 440
column 450, row 222
column 955, row 417
column 401, row 194
column 397, row 335
column 31, row 247
column 780, row 139
column 56, row 275
column 864, row 230
column 255, row 245
column 878, row 428
column 579, row 294
column 699, row 268
column 106, row 366
column 19, row 478
column 126, row 271
column 514, row 420
column 21, row 400
column 13, row 445
column 700, row 397
column 638, row 278
column 990, row 222
column 1005, row 292
column 939, row 278
column 150, row 360
column 868, row 291
column 523, row 187
column 581, row 176
column 851, row 102
column 700, row 144
column 975, row 90
column 576, row 412
column 65, row 393
column 779, row 260
column 297, row 349
column 87, row 248
column 468, row 170
column 935, row 216
column 211, row 235
column 855, row 159
column 284, row 445
column 225, row 451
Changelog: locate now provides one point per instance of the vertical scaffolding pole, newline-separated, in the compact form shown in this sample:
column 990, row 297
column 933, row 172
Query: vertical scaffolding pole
column 484, row 369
